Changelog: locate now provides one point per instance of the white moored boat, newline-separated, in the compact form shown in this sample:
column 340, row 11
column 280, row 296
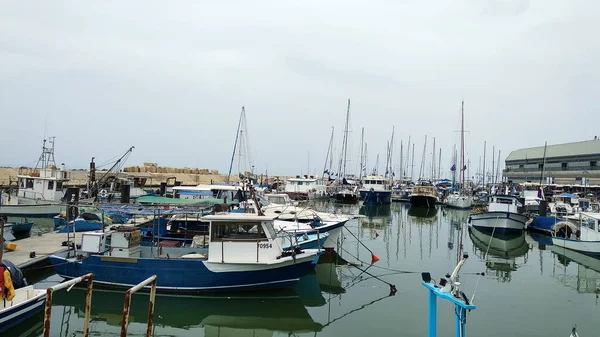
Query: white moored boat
column 586, row 239
column 40, row 192
column 502, row 216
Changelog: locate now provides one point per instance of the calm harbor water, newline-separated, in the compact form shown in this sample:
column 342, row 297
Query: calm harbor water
column 528, row 289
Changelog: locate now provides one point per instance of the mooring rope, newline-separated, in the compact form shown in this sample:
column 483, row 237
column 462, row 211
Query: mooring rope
column 484, row 257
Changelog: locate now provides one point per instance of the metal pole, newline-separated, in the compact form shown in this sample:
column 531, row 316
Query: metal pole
column 127, row 305
column 432, row 314
column 88, row 306
column 68, row 284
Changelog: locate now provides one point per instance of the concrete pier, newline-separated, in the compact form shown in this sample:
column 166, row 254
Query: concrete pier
column 43, row 246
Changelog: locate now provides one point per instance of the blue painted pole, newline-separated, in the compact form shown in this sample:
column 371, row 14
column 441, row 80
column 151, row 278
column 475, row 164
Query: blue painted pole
column 457, row 310
column 432, row 314
column 463, row 317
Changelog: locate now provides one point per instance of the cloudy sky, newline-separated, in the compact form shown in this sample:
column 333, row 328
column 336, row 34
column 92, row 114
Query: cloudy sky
column 170, row 78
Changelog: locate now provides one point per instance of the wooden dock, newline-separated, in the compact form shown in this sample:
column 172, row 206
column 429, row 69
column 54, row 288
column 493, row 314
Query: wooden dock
column 43, row 246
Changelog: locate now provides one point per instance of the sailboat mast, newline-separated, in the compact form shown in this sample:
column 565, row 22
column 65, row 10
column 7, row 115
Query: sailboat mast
column 439, row 165
column 362, row 153
column 408, row 157
column 237, row 135
column 343, row 173
column 493, row 163
column 484, row 148
column 391, row 155
column 462, row 144
column 543, row 163
column 412, row 167
column 329, row 154
column 401, row 161
column 433, row 161
column 423, row 159
column 497, row 168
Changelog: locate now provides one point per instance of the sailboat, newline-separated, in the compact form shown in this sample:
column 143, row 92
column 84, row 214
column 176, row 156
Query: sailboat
column 347, row 190
column 461, row 199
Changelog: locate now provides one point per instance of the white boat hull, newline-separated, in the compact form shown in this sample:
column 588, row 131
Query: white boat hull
column 27, row 302
column 587, row 247
column 462, row 202
column 32, row 211
column 498, row 222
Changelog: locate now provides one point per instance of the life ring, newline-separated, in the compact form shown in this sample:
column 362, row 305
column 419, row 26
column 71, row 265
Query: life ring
column 103, row 193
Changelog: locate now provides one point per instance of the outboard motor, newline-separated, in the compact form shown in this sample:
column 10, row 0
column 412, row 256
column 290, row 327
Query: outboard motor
column 16, row 275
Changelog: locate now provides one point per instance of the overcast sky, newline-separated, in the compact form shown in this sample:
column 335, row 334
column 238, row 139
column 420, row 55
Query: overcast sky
column 170, row 78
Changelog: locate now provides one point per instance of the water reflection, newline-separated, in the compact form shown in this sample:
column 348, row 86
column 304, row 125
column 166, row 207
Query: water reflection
column 587, row 279
column 502, row 252
column 249, row 315
column 423, row 215
column 375, row 216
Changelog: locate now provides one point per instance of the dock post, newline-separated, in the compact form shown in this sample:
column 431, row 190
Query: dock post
column 432, row 314
column 460, row 309
column 127, row 305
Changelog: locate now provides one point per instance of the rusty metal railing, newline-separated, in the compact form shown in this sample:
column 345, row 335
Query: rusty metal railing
column 69, row 284
column 127, row 305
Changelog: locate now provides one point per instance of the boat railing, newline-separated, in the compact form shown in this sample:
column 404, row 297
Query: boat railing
column 69, row 284
column 127, row 305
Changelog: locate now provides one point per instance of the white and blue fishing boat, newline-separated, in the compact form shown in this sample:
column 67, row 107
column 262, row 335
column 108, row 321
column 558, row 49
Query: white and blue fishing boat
column 501, row 217
column 244, row 253
column 23, row 303
column 376, row 191
column 40, row 191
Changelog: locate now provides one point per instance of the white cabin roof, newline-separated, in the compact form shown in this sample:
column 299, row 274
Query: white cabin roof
column 591, row 215
column 238, row 217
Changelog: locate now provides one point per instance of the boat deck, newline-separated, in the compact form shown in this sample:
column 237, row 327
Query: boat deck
column 43, row 246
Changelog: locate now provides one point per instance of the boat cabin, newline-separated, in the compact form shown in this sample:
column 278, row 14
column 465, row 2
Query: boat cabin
column 232, row 238
column 242, row 238
column 377, row 183
column 504, row 203
column 279, row 199
column 43, row 184
column 305, row 184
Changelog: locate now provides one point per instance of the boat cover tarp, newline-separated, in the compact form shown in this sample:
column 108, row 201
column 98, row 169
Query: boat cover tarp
column 172, row 201
column 568, row 195
column 544, row 223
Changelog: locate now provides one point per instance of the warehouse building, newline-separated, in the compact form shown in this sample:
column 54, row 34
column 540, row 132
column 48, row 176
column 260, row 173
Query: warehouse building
column 564, row 164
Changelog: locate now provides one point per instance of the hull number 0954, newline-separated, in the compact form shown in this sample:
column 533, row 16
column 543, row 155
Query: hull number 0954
column 265, row 245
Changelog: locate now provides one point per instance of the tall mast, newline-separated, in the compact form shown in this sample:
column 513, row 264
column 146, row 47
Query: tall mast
column 408, row 157
column 329, row 155
column 342, row 170
column 462, row 144
column 543, row 163
column 390, row 154
column 401, row 161
column 497, row 168
column 439, row 165
column 423, row 159
column 412, row 167
column 484, row 147
column 362, row 153
column 237, row 135
column 433, row 161
column 493, row 157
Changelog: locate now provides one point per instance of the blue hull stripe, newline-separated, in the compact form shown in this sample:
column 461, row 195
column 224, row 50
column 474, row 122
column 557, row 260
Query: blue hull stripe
column 173, row 274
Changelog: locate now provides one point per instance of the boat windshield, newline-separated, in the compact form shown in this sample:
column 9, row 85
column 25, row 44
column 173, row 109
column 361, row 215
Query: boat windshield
column 237, row 231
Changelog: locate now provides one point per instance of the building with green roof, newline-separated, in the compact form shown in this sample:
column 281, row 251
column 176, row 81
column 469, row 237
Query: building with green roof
column 564, row 164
